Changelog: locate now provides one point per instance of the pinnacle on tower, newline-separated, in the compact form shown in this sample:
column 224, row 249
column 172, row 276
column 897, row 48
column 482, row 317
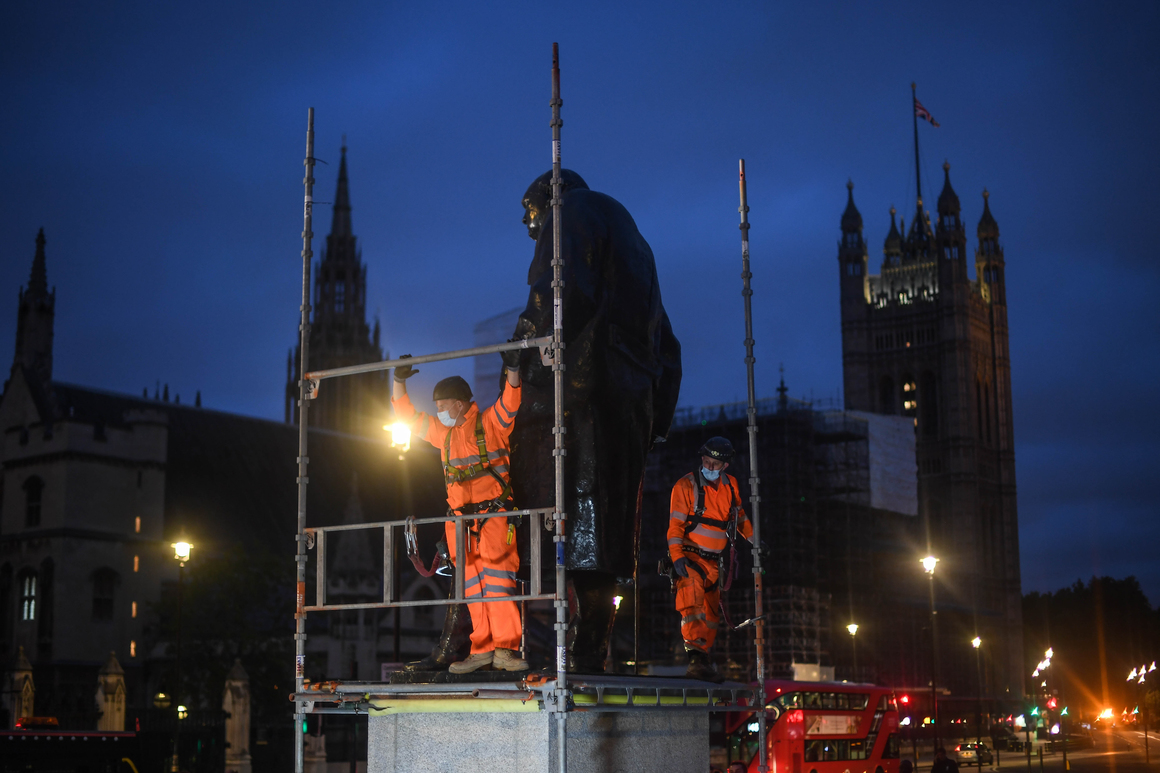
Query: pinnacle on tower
column 988, row 228
column 340, row 223
column 851, row 218
column 38, row 281
column 892, row 247
column 948, row 200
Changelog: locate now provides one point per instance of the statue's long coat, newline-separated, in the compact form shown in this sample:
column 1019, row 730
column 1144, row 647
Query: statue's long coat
column 621, row 383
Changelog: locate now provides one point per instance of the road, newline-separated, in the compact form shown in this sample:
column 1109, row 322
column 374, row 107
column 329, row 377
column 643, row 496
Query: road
column 1118, row 752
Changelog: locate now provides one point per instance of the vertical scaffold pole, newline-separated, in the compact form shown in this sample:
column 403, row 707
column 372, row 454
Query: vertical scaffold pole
column 303, row 460
column 754, row 480
column 561, row 601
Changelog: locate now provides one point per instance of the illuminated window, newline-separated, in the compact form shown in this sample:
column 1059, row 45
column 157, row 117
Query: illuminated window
column 134, row 612
column 137, row 525
column 28, row 597
column 909, row 396
column 136, row 563
column 132, row 648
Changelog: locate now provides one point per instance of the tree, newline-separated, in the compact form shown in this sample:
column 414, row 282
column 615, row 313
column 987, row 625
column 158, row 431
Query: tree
column 1099, row 632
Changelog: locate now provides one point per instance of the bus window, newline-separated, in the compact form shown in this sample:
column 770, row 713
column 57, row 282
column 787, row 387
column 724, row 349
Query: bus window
column 791, row 700
column 829, row 700
column 858, row 701
column 813, row 700
column 857, row 750
column 813, row 751
column 841, row 701
column 891, row 752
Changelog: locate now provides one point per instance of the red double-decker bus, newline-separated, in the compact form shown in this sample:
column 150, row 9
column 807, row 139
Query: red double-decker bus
column 821, row 727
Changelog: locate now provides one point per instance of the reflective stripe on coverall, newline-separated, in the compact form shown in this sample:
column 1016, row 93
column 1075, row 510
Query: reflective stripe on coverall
column 698, row 595
column 489, row 570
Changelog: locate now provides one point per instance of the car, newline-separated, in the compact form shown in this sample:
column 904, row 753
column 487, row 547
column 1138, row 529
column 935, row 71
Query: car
column 974, row 753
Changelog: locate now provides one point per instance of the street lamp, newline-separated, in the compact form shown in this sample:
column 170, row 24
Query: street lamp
column 928, row 564
column 1140, row 677
column 977, row 643
column 182, row 550
column 853, row 629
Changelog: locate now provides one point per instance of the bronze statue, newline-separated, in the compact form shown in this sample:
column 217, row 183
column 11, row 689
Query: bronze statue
column 621, row 384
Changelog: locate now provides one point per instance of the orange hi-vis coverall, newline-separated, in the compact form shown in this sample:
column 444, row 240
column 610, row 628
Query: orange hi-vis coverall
column 699, row 537
column 491, row 563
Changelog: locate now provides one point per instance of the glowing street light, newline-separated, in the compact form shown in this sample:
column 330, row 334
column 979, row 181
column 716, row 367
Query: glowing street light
column 852, row 628
column 929, row 563
column 181, row 551
column 976, row 642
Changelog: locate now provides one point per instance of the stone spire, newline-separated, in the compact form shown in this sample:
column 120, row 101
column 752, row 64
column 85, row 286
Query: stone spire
column 340, row 223
column 892, row 247
column 851, row 218
column 948, row 200
column 34, row 321
column 988, row 228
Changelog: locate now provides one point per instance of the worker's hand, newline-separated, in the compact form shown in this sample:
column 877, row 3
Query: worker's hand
column 404, row 372
column 764, row 552
column 681, row 566
column 511, row 358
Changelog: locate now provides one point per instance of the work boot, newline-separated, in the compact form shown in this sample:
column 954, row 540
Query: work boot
column 508, row 660
column 700, row 668
column 592, row 625
column 472, row 663
column 454, row 641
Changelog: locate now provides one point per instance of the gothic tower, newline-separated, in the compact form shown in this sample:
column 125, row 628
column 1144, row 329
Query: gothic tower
column 339, row 334
column 34, row 321
column 921, row 339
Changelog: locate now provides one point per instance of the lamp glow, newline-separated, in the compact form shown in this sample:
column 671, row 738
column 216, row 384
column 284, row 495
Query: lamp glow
column 400, row 435
column 976, row 642
column 852, row 628
column 1050, row 653
column 929, row 564
column 1132, row 675
column 616, row 601
column 181, row 551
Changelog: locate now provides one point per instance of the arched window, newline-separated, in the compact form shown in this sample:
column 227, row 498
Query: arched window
column 104, row 592
column 886, row 395
column 33, row 494
column 27, row 584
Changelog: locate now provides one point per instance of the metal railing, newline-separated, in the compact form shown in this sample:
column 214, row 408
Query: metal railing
column 316, row 538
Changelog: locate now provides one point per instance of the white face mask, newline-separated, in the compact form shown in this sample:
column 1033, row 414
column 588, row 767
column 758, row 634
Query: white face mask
column 711, row 475
column 445, row 419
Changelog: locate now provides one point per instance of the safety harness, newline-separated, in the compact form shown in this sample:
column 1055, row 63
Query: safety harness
column 452, row 474
column 726, row 568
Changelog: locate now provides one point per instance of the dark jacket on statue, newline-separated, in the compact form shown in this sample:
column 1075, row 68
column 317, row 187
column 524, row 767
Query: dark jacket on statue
column 621, row 383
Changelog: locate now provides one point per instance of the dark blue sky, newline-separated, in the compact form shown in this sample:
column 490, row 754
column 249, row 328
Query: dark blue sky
column 160, row 146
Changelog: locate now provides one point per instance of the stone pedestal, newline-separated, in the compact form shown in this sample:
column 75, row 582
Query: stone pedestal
column 236, row 705
column 21, row 689
column 598, row 742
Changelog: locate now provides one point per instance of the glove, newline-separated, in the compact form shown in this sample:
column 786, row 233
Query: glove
column 511, row 358
column 681, row 566
column 404, row 372
column 764, row 552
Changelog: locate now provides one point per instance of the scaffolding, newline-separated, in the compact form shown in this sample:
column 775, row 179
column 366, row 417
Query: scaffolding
column 533, row 692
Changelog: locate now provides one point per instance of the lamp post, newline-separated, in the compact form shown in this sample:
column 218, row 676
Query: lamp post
column 400, row 433
column 181, row 552
column 853, row 629
column 928, row 564
column 1140, row 678
column 977, row 643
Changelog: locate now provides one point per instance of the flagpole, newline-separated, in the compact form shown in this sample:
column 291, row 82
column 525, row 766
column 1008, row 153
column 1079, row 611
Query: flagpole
column 914, row 116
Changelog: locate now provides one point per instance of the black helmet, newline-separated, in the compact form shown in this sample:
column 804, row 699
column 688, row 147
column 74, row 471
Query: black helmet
column 717, row 448
column 452, row 388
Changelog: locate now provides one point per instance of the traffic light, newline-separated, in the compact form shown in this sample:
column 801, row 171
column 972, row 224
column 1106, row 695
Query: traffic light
column 1064, row 712
column 905, row 699
column 1035, row 711
column 1052, row 703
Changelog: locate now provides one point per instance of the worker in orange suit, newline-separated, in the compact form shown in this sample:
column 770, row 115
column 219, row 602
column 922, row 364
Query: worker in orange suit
column 474, row 450
column 705, row 516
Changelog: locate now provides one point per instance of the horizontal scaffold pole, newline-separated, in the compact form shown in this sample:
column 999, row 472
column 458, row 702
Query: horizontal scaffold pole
column 371, row 367
column 421, row 521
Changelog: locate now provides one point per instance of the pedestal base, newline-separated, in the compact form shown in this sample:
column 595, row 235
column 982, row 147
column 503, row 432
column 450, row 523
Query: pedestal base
column 598, row 742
